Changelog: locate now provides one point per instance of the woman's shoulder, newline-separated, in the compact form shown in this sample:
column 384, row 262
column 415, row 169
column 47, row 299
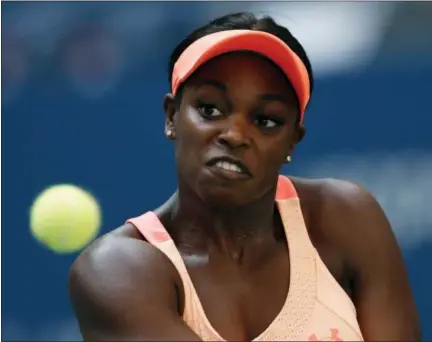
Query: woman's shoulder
column 122, row 245
column 347, row 216
column 116, row 272
column 332, row 192
column 119, row 252
column 341, row 210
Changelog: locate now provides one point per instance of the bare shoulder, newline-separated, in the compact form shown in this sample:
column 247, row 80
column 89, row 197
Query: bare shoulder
column 354, row 224
column 349, row 217
column 338, row 191
column 341, row 206
column 117, row 253
column 118, row 275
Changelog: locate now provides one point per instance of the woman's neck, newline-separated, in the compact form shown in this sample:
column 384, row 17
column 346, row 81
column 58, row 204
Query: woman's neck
column 198, row 228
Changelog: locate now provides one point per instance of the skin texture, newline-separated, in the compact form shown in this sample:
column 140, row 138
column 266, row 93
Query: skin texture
column 228, row 232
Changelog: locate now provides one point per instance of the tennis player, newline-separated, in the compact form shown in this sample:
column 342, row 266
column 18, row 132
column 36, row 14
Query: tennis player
column 241, row 252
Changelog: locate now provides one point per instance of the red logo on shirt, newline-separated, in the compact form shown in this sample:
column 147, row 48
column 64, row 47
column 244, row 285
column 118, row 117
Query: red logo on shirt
column 334, row 336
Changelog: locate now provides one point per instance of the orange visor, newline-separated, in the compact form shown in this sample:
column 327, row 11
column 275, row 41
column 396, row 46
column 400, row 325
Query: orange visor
column 266, row 44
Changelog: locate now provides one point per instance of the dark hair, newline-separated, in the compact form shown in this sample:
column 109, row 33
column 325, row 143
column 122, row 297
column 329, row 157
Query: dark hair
column 242, row 21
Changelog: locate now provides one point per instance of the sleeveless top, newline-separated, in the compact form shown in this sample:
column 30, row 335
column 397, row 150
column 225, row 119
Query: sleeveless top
column 316, row 307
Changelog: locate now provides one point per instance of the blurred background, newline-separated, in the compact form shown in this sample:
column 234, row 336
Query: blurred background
column 82, row 88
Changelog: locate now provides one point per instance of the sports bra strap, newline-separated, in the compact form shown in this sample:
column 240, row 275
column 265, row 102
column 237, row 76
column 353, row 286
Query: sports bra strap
column 150, row 227
column 285, row 189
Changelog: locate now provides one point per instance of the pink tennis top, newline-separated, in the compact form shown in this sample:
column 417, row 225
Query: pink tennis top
column 316, row 307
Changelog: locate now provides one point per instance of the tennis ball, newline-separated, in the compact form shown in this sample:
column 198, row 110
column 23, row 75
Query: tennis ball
column 65, row 218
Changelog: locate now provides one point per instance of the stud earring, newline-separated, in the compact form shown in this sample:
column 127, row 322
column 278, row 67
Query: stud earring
column 169, row 133
column 288, row 159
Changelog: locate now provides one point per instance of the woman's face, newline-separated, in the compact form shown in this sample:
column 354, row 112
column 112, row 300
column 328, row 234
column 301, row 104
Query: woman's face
column 235, row 127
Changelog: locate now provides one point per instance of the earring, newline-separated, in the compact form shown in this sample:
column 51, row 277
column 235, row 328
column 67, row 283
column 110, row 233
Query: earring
column 169, row 133
column 288, row 159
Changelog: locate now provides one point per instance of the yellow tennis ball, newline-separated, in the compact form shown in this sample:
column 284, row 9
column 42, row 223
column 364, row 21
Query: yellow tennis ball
column 65, row 218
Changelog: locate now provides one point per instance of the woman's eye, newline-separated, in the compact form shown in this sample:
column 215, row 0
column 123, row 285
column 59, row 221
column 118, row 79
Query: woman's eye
column 209, row 110
column 267, row 122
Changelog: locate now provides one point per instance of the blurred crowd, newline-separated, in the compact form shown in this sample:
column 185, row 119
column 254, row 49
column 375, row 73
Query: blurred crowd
column 92, row 45
column 88, row 45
